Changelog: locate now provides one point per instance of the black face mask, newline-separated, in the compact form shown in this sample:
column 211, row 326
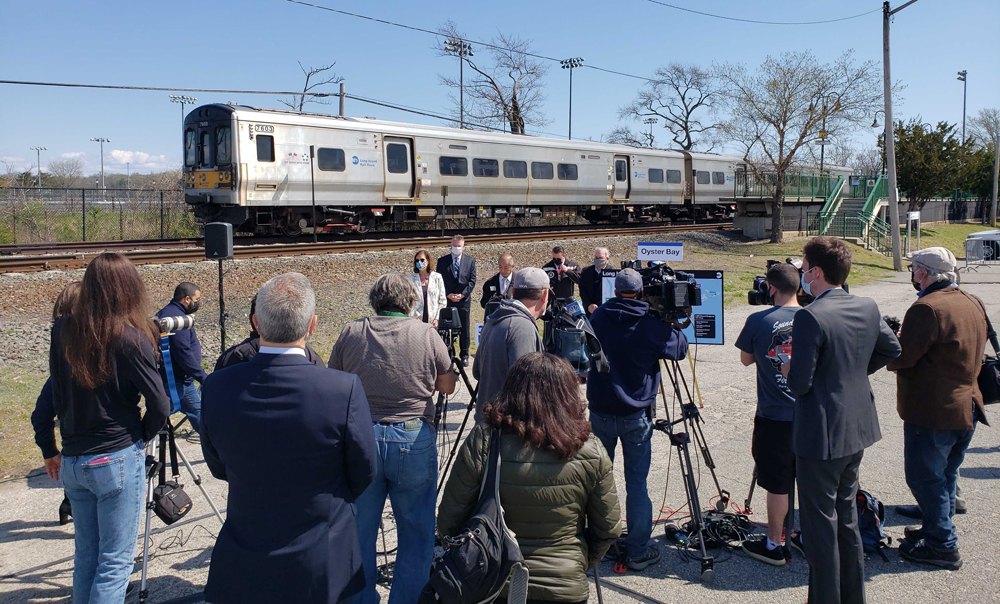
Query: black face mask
column 916, row 285
column 557, row 261
column 193, row 307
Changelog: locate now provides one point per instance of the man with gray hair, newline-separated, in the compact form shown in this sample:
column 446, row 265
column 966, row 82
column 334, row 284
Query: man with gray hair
column 401, row 362
column 943, row 337
column 592, row 280
column 293, row 441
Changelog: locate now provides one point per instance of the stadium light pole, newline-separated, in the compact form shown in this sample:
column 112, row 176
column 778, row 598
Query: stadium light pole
column 890, row 143
column 102, row 140
column 182, row 99
column 462, row 50
column 963, row 77
column 38, row 153
column 571, row 64
column 649, row 121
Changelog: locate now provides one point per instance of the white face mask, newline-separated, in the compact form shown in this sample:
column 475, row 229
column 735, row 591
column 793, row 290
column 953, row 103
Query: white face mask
column 806, row 286
column 456, row 251
column 600, row 262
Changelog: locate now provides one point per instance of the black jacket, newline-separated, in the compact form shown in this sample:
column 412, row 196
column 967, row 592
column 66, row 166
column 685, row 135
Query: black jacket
column 591, row 287
column 466, row 282
column 245, row 350
column 295, row 443
column 492, row 288
column 107, row 418
column 563, row 285
column 185, row 349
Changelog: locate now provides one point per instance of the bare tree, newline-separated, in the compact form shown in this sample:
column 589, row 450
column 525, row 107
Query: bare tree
column 781, row 108
column 985, row 127
column 315, row 77
column 66, row 172
column 506, row 92
column 679, row 95
column 868, row 161
column 623, row 135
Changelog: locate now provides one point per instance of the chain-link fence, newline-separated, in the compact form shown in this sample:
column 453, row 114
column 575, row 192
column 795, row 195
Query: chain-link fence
column 52, row 215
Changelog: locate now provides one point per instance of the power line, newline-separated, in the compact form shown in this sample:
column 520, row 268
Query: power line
column 727, row 18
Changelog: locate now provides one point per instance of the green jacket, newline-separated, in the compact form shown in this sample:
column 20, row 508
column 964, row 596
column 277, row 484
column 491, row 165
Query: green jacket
column 564, row 514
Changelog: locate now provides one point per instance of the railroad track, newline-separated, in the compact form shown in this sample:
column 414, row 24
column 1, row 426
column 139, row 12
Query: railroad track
column 171, row 251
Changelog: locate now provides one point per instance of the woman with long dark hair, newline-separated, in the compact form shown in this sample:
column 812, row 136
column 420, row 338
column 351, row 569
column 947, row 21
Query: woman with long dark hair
column 102, row 360
column 556, row 484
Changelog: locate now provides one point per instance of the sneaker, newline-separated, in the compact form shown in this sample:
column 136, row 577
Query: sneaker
column 616, row 549
column 651, row 557
column 757, row 549
column 465, row 360
column 922, row 553
column 909, row 511
column 796, row 542
column 193, row 438
column 913, row 534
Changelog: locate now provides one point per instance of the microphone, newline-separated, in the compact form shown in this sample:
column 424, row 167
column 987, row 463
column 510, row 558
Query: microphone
column 574, row 309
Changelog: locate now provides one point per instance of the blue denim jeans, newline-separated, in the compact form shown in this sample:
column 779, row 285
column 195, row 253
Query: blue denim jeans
column 190, row 395
column 635, row 431
column 931, row 459
column 407, row 474
column 107, row 493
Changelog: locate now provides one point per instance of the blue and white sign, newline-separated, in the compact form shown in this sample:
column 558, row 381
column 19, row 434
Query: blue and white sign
column 668, row 252
column 708, row 321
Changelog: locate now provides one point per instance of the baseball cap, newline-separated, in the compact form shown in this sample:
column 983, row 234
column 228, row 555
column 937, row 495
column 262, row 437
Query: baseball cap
column 936, row 258
column 628, row 280
column 530, row 278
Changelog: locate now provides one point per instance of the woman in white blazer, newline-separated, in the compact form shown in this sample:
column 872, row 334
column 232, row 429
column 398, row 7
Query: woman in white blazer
column 430, row 289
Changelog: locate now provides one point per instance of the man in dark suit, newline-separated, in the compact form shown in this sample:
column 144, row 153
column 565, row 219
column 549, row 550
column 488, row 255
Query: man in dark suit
column 592, row 281
column 837, row 342
column 459, row 273
column 498, row 286
column 185, row 353
column 295, row 443
column 566, row 271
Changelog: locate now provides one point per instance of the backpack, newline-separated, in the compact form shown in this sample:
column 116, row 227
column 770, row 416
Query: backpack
column 476, row 564
column 871, row 519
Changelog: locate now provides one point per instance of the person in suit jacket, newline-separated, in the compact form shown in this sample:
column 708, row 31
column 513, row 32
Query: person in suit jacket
column 459, row 273
column 431, row 296
column 837, row 342
column 567, row 273
column 498, row 287
column 592, row 282
column 294, row 442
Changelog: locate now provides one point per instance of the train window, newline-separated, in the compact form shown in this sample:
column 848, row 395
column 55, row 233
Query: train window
column 541, row 170
column 674, row 176
column 655, row 175
column 222, row 146
column 189, row 154
column 621, row 170
column 395, row 159
column 515, row 169
column 704, row 178
column 206, row 148
column 486, row 167
column 265, row 148
column 567, row 172
column 718, row 178
column 330, row 160
column 453, row 166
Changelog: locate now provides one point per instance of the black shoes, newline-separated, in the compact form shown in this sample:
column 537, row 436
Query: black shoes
column 651, row 557
column 913, row 534
column 922, row 553
column 796, row 542
column 65, row 511
column 757, row 549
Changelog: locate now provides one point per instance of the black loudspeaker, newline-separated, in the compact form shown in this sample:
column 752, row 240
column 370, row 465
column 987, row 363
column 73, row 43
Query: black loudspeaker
column 218, row 240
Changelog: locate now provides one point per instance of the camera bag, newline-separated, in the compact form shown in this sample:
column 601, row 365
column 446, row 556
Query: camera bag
column 170, row 502
column 989, row 372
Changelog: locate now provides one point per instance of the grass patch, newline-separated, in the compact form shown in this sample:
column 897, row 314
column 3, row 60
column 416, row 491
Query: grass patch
column 18, row 452
column 951, row 236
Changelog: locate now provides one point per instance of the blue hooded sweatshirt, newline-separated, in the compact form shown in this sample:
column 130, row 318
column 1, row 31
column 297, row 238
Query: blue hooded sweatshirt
column 634, row 342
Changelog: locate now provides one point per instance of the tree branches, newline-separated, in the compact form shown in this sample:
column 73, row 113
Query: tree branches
column 678, row 95
column 315, row 77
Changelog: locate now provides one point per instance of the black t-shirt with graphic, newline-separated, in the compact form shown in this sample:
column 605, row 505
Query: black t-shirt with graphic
column 768, row 335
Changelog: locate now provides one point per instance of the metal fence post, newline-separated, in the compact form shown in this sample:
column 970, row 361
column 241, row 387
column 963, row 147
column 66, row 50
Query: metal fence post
column 121, row 221
column 83, row 198
column 13, row 207
column 161, row 214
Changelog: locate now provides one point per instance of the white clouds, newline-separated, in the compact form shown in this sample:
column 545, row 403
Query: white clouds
column 137, row 160
column 72, row 155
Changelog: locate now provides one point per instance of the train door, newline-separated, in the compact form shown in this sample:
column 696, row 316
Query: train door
column 689, row 179
column 399, row 173
column 622, row 180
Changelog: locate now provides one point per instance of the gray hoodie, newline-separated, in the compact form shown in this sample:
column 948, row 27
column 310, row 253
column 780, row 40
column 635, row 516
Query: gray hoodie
column 509, row 334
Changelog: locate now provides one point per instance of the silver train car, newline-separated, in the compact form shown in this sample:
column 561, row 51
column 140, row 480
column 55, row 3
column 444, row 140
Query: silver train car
column 254, row 168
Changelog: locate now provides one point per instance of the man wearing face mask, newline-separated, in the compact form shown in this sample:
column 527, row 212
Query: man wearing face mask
column 185, row 353
column 459, row 273
column 498, row 287
column 567, row 273
column 837, row 342
column 591, row 281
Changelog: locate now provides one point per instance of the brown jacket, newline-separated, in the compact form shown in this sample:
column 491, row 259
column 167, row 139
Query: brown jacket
column 943, row 337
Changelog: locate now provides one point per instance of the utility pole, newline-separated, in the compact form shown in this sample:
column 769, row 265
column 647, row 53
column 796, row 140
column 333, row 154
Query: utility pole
column 102, row 140
column 996, row 174
column 890, row 143
column 462, row 50
column 649, row 121
column 343, row 95
column 963, row 77
column 182, row 99
column 38, row 153
column 571, row 64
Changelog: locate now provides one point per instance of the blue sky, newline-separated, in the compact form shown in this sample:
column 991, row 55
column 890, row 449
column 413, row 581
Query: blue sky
column 254, row 44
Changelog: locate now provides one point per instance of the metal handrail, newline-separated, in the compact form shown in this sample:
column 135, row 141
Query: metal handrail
column 879, row 191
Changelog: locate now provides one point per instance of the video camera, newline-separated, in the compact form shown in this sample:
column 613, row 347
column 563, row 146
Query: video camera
column 449, row 325
column 760, row 295
column 567, row 333
column 173, row 324
column 671, row 295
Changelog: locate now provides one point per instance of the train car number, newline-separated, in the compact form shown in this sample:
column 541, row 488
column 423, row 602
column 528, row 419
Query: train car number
column 263, row 128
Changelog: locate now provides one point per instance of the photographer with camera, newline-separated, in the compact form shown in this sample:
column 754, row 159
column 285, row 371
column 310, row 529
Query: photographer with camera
column 498, row 287
column 566, row 273
column 401, row 362
column 185, row 352
column 102, row 360
column 766, row 340
column 621, row 400
column 510, row 333
column 592, row 282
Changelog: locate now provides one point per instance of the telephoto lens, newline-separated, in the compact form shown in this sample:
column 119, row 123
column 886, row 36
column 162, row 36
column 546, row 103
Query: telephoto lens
column 172, row 324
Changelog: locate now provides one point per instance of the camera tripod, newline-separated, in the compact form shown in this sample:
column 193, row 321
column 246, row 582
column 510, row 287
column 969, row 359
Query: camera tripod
column 441, row 408
column 161, row 443
column 688, row 430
